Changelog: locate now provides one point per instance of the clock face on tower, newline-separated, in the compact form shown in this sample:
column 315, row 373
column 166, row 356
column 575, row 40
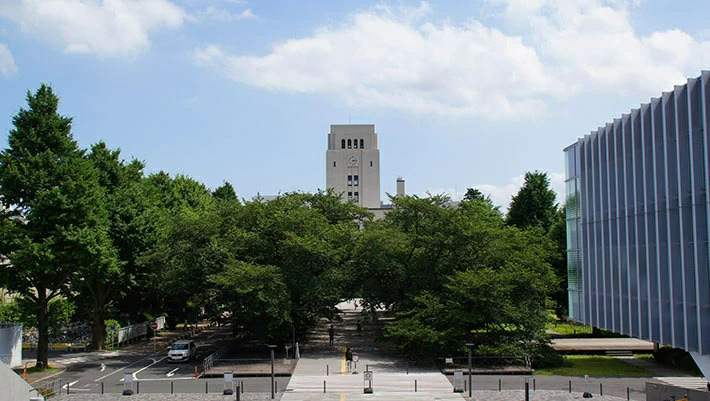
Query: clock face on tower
column 352, row 161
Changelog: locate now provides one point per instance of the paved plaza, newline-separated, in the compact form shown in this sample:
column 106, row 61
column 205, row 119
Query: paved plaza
column 323, row 367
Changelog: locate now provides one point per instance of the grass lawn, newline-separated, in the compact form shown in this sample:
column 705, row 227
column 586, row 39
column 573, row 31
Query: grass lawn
column 595, row 365
column 565, row 329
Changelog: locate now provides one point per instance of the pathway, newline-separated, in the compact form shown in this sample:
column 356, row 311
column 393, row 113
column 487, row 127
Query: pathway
column 323, row 365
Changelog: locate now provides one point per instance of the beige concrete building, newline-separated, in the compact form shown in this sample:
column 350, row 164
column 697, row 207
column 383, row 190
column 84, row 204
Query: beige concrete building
column 353, row 164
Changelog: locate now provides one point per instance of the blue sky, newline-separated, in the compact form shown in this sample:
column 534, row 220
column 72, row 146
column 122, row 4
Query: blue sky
column 462, row 93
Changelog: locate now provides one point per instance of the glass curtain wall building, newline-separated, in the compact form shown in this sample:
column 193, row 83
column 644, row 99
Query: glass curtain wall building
column 638, row 221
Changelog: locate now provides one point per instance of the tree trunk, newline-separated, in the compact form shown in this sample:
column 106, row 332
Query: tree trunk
column 42, row 329
column 98, row 331
column 98, row 327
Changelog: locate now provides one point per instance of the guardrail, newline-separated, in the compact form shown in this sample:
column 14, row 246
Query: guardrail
column 210, row 360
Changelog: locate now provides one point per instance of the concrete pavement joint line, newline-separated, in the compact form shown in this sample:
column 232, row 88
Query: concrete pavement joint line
column 118, row 370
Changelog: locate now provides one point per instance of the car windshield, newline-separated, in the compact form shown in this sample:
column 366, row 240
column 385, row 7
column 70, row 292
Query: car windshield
column 180, row 346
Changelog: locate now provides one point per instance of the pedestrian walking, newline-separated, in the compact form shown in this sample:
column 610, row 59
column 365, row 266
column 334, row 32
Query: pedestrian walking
column 349, row 358
column 331, row 335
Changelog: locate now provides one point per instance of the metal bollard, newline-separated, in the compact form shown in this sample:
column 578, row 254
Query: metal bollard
column 324, row 386
column 527, row 391
column 242, row 386
column 601, row 390
column 102, row 387
column 171, row 387
column 207, row 388
column 276, row 386
column 570, row 386
column 464, row 386
column 628, row 394
column 238, row 392
column 500, row 385
column 327, row 370
column 138, row 387
column 534, row 385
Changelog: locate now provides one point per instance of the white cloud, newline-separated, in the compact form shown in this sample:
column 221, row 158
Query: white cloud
column 212, row 13
column 105, row 28
column 380, row 59
column 592, row 47
column 400, row 59
column 8, row 67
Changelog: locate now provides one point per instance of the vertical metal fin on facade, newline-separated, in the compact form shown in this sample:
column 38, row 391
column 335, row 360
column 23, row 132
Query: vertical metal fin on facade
column 638, row 221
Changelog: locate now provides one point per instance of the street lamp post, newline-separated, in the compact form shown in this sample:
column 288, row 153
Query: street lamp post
column 271, row 348
column 470, row 362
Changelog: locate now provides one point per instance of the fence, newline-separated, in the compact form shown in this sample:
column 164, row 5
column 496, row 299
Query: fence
column 624, row 388
column 137, row 330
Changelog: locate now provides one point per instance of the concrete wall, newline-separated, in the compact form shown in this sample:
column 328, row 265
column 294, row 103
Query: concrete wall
column 11, row 344
column 13, row 387
column 663, row 392
column 350, row 160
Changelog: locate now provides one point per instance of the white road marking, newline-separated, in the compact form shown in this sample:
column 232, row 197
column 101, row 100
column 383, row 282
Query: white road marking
column 70, row 384
column 173, row 378
column 103, row 367
column 172, row 372
column 146, row 367
column 118, row 370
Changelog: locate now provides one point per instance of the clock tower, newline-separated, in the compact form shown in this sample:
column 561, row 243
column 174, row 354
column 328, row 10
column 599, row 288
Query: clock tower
column 353, row 163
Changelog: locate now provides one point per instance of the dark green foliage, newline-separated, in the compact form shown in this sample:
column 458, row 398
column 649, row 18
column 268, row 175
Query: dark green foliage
column 558, row 260
column 57, row 218
column 455, row 275
column 257, row 297
column 534, row 205
column 225, row 192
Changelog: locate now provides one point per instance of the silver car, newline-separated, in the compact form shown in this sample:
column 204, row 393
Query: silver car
column 182, row 351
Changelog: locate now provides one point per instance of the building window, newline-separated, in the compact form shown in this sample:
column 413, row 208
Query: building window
column 350, row 143
column 357, row 197
column 350, row 195
column 342, row 144
column 350, row 180
column 356, row 180
column 355, row 143
column 370, row 163
column 362, row 144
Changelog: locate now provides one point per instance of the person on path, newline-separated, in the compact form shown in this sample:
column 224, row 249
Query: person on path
column 349, row 358
column 331, row 335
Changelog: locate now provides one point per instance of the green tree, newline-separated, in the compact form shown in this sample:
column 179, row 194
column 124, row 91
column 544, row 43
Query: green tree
column 257, row 298
column 225, row 192
column 56, row 219
column 534, row 204
column 558, row 260
column 111, row 272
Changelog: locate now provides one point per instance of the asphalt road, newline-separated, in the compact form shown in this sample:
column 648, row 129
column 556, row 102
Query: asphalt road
column 150, row 372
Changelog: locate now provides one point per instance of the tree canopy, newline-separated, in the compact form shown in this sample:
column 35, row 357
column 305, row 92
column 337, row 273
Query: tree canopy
column 89, row 236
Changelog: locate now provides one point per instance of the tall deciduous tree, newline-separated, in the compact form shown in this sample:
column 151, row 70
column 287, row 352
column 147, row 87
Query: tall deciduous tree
column 56, row 221
column 534, row 205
